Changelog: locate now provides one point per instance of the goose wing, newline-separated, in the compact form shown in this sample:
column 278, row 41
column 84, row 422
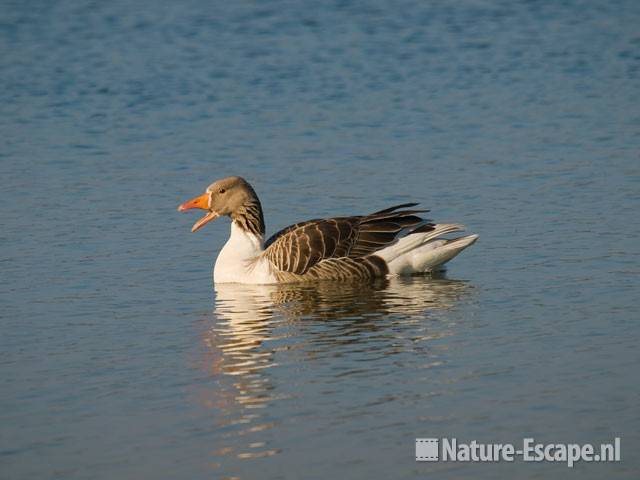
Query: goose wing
column 299, row 247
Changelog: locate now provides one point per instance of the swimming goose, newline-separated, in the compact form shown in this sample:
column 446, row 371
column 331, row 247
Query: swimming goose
column 393, row 241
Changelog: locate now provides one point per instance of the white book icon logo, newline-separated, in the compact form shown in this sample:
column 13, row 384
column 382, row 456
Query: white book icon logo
column 426, row 449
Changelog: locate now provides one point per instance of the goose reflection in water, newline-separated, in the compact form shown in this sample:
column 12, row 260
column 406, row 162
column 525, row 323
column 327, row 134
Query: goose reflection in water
column 263, row 336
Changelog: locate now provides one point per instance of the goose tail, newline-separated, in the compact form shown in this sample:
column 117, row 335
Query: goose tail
column 424, row 251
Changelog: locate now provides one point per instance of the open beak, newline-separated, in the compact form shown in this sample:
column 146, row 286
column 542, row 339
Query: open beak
column 201, row 202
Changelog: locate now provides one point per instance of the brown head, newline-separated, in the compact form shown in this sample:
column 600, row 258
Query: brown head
column 230, row 196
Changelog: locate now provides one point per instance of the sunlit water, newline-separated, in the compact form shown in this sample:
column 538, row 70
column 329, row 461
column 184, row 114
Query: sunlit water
column 119, row 360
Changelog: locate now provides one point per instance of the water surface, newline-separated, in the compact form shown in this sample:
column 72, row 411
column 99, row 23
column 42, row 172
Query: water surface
column 119, row 360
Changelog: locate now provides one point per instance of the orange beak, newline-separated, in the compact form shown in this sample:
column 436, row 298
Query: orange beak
column 201, row 202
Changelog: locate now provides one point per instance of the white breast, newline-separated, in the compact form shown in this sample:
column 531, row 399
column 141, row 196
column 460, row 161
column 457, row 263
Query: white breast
column 237, row 262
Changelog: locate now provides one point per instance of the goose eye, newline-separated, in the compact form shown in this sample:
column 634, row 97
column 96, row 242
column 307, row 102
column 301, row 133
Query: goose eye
column 222, row 190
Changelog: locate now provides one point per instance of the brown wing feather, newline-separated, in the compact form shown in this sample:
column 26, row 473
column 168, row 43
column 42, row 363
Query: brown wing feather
column 300, row 247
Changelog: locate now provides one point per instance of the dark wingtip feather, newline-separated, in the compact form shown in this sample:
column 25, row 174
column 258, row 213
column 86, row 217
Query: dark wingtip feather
column 391, row 209
column 427, row 227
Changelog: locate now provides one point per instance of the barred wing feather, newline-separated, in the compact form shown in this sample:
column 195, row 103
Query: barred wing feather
column 300, row 247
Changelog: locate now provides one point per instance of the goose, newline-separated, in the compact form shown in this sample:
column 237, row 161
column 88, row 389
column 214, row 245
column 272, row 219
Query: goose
column 389, row 242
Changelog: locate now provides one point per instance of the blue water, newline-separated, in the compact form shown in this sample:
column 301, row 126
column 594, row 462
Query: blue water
column 119, row 360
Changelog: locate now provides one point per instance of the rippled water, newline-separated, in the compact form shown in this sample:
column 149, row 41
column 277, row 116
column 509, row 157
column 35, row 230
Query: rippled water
column 118, row 360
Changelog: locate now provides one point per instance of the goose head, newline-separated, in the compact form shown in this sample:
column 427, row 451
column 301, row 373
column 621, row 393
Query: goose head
column 225, row 197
